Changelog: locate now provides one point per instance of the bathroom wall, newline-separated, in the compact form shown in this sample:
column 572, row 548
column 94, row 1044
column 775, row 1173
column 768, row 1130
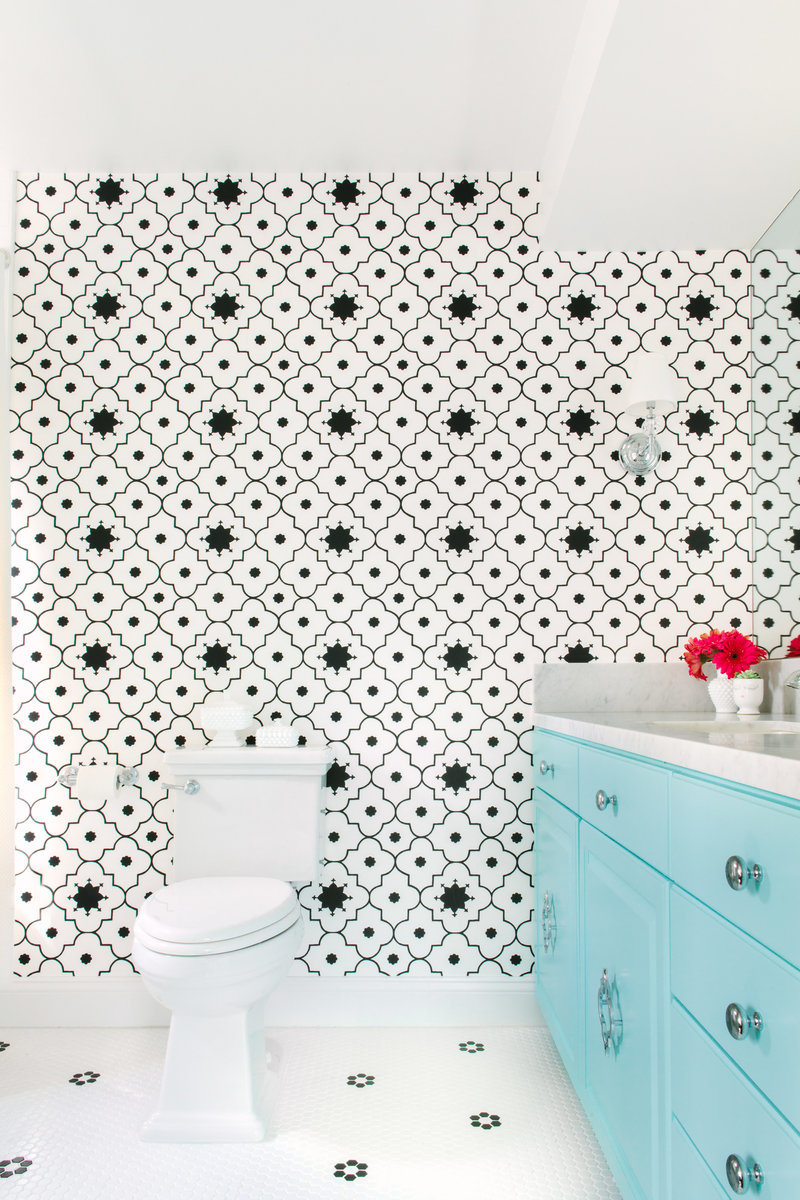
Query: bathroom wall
column 349, row 444
column 776, row 411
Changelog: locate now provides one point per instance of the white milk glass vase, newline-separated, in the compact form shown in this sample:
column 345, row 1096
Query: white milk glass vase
column 720, row 689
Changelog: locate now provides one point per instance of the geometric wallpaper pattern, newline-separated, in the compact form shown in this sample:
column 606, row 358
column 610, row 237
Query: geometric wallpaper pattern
column 348, row 444
column 776, row 411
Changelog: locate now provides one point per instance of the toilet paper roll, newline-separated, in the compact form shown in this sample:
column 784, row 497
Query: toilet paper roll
column 96, row 784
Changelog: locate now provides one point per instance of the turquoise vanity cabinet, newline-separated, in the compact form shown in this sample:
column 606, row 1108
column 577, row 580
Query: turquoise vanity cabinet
column 613, row 1018
column 673, row 994
column 735, row 950
column 557, row 881
column 624, row 907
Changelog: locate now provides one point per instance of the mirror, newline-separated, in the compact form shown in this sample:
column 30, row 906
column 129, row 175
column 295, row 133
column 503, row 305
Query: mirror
column 775, row 414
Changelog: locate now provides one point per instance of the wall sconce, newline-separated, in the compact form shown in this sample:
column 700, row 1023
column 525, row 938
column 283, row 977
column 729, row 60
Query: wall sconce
column 653, row 388
column 640, row 453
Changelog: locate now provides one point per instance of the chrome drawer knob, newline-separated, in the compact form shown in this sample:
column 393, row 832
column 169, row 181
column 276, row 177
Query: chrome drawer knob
column 546, row 768
column 740, row 1023
column 603, row 800
column 739, row 1178
column 738, row 875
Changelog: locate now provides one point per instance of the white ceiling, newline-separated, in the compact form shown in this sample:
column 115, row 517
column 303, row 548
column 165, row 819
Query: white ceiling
column 652, row 122
column 691, row 134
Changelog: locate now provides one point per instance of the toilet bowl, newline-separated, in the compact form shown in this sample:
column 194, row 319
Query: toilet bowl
column 212, row 945
column 211, row 950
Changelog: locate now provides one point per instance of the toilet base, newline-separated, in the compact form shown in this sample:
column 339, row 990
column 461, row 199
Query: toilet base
column 203, row 1127
column 213, row 1087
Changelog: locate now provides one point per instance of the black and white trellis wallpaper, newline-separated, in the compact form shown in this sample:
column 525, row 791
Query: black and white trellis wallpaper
column 349, row 444
column 776, row 413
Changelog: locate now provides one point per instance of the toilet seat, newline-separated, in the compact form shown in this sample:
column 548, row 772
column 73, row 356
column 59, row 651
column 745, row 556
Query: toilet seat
column 216, row 914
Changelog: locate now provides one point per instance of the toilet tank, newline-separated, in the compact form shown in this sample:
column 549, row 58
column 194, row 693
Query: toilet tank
column 256, row 811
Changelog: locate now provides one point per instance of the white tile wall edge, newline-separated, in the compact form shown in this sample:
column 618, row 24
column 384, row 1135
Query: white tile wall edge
column 7, row 212
column 298, row 1001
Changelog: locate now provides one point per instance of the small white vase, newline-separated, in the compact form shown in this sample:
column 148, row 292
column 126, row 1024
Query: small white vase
column 720, row 689
column 748, row 694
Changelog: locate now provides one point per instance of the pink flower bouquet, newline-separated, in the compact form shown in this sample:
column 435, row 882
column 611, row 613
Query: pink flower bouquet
column 730, row 652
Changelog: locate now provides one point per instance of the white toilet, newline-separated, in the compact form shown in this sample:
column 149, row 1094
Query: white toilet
column 213, row 944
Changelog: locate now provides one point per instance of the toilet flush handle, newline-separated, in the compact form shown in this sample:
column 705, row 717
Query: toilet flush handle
column 191, row 787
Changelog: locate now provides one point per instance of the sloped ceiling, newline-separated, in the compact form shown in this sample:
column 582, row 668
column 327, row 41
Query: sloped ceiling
column 690, row 134
column 651, row 123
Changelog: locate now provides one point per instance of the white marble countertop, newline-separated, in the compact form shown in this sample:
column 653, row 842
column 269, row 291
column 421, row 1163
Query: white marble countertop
column 760, row 752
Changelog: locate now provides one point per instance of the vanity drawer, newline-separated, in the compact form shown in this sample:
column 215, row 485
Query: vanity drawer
column 555, row 767
column 711, row 824
column 715, row 965
column 627, row 800
column 690, row 1175
column 724, row 1115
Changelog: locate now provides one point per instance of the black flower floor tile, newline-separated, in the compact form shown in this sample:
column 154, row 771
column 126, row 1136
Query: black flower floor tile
column 471, row 1047
column 14, row 1166
column 350, row 1170
column 413, row 1137
column 484, row 1120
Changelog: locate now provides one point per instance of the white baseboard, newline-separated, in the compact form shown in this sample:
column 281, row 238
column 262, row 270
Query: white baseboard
column 307, row 1000
column 311, row 1000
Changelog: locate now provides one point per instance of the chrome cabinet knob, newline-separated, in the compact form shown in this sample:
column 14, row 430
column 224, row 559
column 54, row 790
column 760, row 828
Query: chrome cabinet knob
column 739, row 1023
column 739, row 1178
column 546, row 768
column 734, row 872
column 737, row 874
column 603, row 800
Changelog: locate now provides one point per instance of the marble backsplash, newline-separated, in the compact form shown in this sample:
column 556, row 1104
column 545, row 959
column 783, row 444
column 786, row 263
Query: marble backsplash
column 644, row 687
column 778, row 698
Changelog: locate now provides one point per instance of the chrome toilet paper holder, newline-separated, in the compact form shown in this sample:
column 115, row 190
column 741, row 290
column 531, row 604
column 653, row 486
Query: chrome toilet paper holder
column 125, row 775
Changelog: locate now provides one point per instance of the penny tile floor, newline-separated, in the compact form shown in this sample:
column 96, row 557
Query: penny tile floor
column 381, row 1114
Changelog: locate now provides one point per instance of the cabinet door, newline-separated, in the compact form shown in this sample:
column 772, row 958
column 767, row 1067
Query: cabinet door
column 624, row 910
column 556, row 878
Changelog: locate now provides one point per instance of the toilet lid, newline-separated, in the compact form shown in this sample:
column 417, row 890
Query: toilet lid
column 198, row 912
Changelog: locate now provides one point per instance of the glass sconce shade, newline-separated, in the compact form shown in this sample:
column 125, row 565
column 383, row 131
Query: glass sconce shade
column 640, row 452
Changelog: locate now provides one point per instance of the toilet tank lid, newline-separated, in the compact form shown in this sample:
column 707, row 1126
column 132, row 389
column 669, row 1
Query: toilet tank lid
column 249, row 760
column 213, row 908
